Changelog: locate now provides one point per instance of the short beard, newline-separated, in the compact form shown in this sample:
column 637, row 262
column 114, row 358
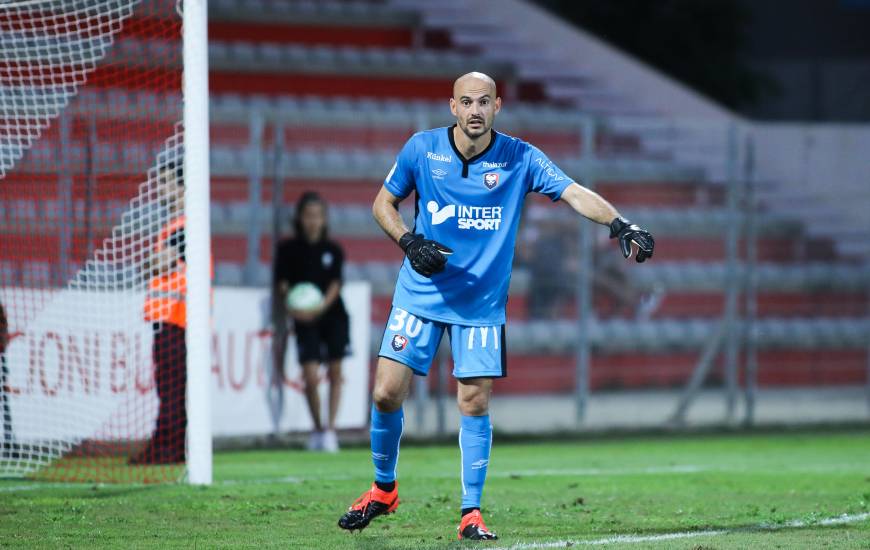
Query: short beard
column 472, row 136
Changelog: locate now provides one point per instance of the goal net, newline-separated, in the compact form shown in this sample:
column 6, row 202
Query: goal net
column 92, row 260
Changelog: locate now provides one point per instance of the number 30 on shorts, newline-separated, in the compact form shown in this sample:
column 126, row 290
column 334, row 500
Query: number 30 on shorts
column 402, row 321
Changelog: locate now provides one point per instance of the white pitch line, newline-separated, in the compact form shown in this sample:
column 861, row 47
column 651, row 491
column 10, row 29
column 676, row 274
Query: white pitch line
column 616, row 539
column 634, row 539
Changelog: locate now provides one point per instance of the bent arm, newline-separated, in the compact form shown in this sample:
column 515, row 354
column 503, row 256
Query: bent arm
column 589, row 204
column 332, row 294
column 386, row 212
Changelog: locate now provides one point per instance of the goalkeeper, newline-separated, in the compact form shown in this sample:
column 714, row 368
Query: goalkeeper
column 470, row 183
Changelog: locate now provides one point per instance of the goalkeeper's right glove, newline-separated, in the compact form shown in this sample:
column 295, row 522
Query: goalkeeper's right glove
column 427, row 257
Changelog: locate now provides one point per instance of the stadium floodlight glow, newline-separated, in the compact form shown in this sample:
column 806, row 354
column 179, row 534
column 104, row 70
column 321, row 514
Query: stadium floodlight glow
column 104, row 266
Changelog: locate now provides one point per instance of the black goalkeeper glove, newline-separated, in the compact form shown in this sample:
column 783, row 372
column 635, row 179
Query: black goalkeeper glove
column 427, row 257
column 628, row 233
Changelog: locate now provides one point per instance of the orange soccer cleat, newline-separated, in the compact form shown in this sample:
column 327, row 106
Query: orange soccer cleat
column 473, row 528
column 368, row 506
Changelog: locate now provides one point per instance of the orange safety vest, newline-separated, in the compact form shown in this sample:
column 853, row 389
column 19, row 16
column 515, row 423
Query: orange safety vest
column 165, row 299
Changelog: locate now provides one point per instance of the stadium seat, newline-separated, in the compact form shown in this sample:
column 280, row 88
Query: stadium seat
column 220, row 216
column 105, row 156
column 262, row 274
column 223, row 160
column 272, row 54
column 228, row 274
column 136, row 157
column 9, row 275
column 238, row 213
column 23, row 212
column 242, row 53
column 36, row 274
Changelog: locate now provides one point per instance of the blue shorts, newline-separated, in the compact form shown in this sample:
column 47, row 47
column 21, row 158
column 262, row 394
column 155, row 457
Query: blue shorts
column 477, row 351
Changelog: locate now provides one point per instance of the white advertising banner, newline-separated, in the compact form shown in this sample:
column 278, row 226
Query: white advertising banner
column 79, row 366
column 244, row 400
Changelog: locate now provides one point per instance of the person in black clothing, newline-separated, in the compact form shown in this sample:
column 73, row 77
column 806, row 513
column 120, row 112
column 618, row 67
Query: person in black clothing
column 322, row 335
column 6, row 443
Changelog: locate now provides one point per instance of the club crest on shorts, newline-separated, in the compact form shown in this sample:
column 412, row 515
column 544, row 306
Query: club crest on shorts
column 399, row 342
column 490, row 180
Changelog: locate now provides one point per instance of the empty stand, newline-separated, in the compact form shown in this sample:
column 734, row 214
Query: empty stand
column 339, row 86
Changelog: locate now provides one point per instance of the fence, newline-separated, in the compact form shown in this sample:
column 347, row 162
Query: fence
column 741, row 317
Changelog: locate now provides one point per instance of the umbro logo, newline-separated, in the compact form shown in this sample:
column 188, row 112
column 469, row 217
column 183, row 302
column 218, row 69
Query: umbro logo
column 477, row 465
column 439, row 173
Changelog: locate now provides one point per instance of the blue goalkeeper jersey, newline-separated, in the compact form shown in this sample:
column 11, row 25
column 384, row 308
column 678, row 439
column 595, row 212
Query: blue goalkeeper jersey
column 472, row 206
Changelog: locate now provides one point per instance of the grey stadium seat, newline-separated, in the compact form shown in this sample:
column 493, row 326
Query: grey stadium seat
column 228, row 274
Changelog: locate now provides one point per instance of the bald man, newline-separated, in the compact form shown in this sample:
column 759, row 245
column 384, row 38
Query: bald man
column 470, row 183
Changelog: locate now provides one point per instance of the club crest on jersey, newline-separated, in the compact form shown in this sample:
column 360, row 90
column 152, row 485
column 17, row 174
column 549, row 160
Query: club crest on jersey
column 490, row 180
column 399, row 342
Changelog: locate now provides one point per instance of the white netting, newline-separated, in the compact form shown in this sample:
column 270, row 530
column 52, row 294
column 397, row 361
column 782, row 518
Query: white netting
column 47, row 50
column 90, row 172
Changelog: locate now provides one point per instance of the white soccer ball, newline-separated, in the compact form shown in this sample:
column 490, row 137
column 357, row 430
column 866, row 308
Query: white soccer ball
column 304, row 297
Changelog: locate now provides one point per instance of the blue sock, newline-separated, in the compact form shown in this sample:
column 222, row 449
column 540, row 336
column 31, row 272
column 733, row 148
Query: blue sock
column 475, row 441
column 386, row 431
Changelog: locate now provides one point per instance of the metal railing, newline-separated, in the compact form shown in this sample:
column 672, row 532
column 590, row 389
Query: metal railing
column 720, row 155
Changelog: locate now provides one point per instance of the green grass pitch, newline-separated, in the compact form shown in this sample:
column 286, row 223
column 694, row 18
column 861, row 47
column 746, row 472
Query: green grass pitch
column 755, row 491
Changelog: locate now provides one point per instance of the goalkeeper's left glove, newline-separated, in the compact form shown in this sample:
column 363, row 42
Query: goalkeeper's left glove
column 628, row 233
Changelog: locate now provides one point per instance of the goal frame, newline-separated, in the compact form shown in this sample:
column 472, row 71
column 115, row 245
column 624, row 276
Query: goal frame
column 197, row 234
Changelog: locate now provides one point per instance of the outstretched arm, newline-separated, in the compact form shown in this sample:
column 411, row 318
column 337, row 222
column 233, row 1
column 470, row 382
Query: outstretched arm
column 593, row 206
column 589, row 204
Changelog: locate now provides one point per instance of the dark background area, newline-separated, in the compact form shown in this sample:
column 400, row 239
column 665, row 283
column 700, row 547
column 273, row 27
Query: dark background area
column 769, row 59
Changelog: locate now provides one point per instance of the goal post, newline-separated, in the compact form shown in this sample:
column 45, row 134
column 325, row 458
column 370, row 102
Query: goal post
column 196, row 169
column 105, row 241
